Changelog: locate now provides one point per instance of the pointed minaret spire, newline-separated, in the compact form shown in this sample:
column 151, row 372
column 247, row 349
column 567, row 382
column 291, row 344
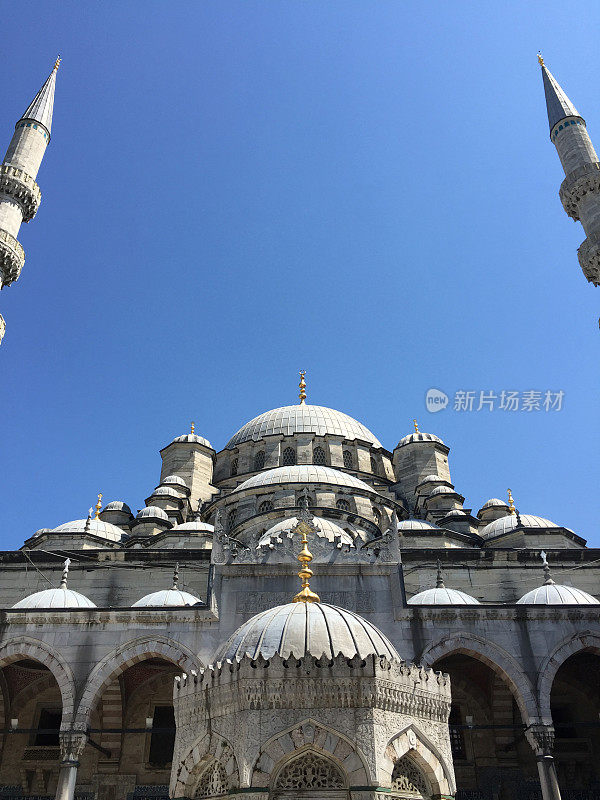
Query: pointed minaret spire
column 580, row 191
column 439, row 584
column 19, row 193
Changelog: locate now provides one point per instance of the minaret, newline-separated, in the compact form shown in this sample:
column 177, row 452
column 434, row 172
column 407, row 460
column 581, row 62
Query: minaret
column 580, row 190
column 19, row 193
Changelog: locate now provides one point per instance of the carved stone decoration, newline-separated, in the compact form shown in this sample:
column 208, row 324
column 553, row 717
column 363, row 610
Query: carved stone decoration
column 213, row 781
column 408, row 781
column 308, row 772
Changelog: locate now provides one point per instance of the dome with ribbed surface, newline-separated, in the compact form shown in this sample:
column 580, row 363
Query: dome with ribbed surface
column 194, row 526
column 417, row 525
column 419, row 437
column 303, row 418
column 192, row 438
column 554, row 594
column 494, row 502
column 304, row 473
column 117, row 505
column 94, row 527
column 326, row 529
column 441, row 596
column 168, row 597
column 299, row 629
column 152, row 512
column 511, row 521
column 55, row 598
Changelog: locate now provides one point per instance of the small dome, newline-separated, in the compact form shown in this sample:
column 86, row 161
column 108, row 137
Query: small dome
column 419, row 437
column 117, row 505
column 166, row 491
column 441, row 596
column 152, row 512
column 304, row 473
column 302, row 418
column 441, row 490
column 493, row 501
column 168, row 597
column 55, row 598
column 553, row 594
column 95, row 527
column 173, row 480
column 510, row 522
column 456, row 512
column 195, row 526
column 417, row 525
column 325, row 529
column 192, row 438
column 433, row 479
column 299, row 629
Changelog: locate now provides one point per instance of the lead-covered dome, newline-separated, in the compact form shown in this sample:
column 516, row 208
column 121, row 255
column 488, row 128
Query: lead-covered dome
column 441, row 596
column 299, row 629
column 304, row 473
column 302, row 418
column 554, row 594
column 419, row 437
column 94, row 527
column 55, row 598
column 512, row 521
column 168, row 597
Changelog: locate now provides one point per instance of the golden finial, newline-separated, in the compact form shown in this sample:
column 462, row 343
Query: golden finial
column 302, row 394
column 98, row 506
column 304, row 526
column 540, row 59
column 57, row 63
column 193, row 429
column 416, row 426
column 511, row 504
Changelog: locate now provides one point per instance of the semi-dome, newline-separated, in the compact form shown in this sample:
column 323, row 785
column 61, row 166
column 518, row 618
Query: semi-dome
column 441, row 596
column 304, row 473
column 192, row 438
column 168, row 597
column 194, row 526
column 417, row 525
column 555, row 594
column 299, row 629
column 326, row 529
column 512, row 521
column 94, row 527
column 419, row 437
column 152, row 512
column 302, row 418
column 117, row 505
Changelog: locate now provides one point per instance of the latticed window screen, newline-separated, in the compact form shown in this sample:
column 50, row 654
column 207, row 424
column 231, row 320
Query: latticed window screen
column 319, row 455
column 213, row 782
column 408, row 780
column 310, row 771
column 457, row 735
column 289, row 457
column 259, row 460
column 266, row 505
column 234, row 466
column 343, row 505
column 348, row 460
column 231, row 516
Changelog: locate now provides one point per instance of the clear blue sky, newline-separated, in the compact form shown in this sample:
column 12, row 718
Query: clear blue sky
column 238, row 190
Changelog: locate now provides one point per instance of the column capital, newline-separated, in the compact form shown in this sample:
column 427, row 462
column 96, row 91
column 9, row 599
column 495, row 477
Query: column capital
column 541, row 739
column 72, row 745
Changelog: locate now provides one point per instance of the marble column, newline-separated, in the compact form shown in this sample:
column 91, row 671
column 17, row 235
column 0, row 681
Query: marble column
column 541, row 739
column 72, row 745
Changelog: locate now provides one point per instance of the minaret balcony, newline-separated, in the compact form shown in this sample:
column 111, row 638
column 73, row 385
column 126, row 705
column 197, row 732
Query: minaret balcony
column 589, row 259
column 12, row 258
column 21, row 187
column 577, row 184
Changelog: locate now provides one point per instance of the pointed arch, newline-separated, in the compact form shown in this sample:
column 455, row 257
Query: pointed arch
column 125, row 656
column 24, row 647
column 208, row 749
column 572, row 644
column 498, row 659
column 435, row 766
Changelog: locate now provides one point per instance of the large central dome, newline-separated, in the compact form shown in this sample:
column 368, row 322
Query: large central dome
column 302, row 418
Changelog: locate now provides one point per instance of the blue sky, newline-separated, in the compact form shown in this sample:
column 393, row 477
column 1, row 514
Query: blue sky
column 238, row 190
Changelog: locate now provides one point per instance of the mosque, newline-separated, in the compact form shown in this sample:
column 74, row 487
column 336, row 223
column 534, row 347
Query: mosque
column 303, row 613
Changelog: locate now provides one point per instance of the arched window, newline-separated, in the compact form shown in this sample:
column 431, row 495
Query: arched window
column 318, row 455
column 310, row 772
column 231, row 518
column 348, row 460
column 259, row 460
column 289, row 457
column 213, row 781
column 343, row 505
column 234, row 466
column 408, row 779
column 373, row 465
column 266, row 505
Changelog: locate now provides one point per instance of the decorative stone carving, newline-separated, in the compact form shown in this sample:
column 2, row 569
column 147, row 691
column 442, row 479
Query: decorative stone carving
column 20, row 186
column 408, row 781
column 310, row 771
column 12, row 258
column 72, row 745
column 589, row 259
column 576, row 185
column 213, row 781
column 541, row 739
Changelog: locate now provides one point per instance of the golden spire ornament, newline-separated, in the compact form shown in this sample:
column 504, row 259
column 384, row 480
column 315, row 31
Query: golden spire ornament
column 511, row 503
column 98, row 506
column 57, row 63
column 540, row 59
column 302, row 394
column 193, row 429
column 304, row 526
column 416, row 426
